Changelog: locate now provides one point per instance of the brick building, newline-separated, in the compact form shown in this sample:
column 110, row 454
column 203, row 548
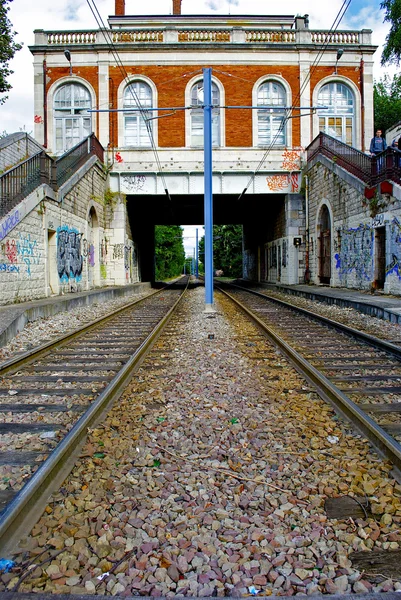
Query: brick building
column 92, row 80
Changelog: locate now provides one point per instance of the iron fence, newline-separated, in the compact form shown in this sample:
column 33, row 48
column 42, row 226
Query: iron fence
column 71, row 161
column 370, row 169
column 21, row 180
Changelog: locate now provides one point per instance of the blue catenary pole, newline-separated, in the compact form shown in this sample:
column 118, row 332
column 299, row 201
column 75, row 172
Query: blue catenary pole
column 208, row 205
column 197, row 255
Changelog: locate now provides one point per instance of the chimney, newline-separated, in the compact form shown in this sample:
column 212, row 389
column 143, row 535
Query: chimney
column 120, row 7
column 176, row 7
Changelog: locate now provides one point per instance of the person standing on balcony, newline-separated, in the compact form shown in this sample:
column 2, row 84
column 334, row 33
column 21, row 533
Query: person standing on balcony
column 378, row 143
column 377, row 146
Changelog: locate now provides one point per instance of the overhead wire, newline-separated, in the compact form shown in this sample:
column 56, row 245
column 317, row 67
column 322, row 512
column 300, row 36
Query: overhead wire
column 123, row 71
column 336, row 22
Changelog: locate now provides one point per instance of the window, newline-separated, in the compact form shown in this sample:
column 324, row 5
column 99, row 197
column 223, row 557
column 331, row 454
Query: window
column 338, row 119
column 197, row 115
column 72, row 121
column 271, row 120
column 137, row 95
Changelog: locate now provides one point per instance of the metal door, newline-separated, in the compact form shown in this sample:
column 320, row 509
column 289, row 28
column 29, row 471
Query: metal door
column 380, row 257
column 325, row 256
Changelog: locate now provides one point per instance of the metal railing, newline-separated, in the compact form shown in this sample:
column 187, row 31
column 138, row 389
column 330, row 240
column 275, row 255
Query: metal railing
column 369, row 169
column 167, row 33
column 18, row 182
column 66, row 165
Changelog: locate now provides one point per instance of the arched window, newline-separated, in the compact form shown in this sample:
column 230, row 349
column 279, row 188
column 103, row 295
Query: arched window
column 137, row 95
column 338, row 119
column 271, row 123
column 197, row 115
column 72, row 121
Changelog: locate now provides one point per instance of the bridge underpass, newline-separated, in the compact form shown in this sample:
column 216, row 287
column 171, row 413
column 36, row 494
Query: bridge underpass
column 261, row 216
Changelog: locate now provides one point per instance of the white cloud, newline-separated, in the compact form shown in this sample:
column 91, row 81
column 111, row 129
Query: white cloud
column 26, row 15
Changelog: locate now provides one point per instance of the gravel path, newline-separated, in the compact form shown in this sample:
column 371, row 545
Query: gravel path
column 47, row 328
column 209, row 478
column 348, row 316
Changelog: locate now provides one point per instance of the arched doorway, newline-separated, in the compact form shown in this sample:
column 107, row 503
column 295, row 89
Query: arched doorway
column 93, row 249
column 324, row 245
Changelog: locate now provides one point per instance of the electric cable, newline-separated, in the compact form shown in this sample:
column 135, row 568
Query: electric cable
column 123, row 71
column 314, row 66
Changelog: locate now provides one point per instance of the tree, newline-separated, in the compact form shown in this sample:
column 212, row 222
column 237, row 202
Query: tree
column 8, row 47
column 387, row 102
column 392, row 47
column 169, row 251
column 227, row 249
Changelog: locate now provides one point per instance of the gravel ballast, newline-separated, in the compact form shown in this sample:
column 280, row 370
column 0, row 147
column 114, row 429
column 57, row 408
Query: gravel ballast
column 209, row 477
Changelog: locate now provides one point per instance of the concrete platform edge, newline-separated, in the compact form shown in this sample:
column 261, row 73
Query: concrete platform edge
column 21, row 314
column 367, row 308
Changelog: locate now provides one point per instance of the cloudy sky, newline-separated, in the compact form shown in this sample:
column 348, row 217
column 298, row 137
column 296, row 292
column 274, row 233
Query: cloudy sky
column 27, row 15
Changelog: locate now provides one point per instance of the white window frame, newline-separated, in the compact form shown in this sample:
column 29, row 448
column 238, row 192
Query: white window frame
column 338, row 112
column 287, row 132
column 51, row 117
column 356, row 136
column 122, row 115
column 220, row 116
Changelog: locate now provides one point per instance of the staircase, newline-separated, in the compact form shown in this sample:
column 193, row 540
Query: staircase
column 371, row 170
column 38, row 168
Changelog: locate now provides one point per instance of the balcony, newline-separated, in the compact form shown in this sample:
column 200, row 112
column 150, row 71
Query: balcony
column 202, row 35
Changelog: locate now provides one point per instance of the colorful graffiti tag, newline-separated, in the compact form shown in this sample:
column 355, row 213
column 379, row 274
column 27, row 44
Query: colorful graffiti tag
column 8, row 224
column 283, row 183
column 355, row 253
column 395, row 249
column 291, row 160
column 28, row 250
column 69, row 255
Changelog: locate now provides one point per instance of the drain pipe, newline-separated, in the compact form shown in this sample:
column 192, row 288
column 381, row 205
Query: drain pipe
column 44, row 105
column 307, row 270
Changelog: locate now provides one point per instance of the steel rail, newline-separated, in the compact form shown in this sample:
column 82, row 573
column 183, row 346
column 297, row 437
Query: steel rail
column 384, row 444
column 355, row 333
column 23, row 512
column 25, row 358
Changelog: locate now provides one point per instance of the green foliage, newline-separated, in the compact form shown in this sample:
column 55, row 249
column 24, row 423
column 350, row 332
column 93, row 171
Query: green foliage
column 387, row 102
column 8, row 47
column 169, row 251
column 227, row 249
column 392, row 48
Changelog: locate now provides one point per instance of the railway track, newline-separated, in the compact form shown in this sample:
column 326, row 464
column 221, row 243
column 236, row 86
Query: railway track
column 51, row 395
column 357, row 373
column 209, row 477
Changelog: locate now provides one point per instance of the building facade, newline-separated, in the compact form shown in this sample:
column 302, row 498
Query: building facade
column 138, row 85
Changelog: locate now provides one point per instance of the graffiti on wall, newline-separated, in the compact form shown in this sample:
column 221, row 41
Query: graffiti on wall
column 69, row 254
column 21, row 250
column 91, row 255
column 395, row 249
column 11, row 251
column 127, row 256
column 8, row 224
column 283, row 183
column 27, row 249
column 355, row 254
column 134, row 183
column 291, row 160
column 118, row 251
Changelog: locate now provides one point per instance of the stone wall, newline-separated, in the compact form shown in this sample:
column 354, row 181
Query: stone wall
column 68, row 244
column 358, row 226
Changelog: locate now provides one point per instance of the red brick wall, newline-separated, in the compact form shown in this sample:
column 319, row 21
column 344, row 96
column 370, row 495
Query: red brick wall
column 90, row 74
column 171, row 82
